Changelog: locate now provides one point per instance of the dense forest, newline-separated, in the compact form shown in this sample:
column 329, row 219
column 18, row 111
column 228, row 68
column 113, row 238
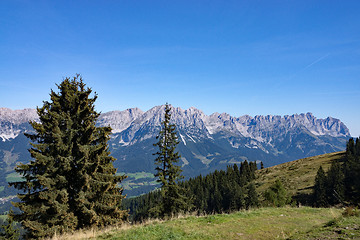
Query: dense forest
column 233, row 189
column 341, row 184
column 217, row 192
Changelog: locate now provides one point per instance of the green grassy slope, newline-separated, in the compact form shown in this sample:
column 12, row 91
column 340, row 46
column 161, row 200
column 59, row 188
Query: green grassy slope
column 263, row 223
column 297, row 176
column 340, row 228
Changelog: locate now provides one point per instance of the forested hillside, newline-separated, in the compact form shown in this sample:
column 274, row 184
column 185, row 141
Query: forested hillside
column 217, row 192
column 229, row 189
column 341, row 183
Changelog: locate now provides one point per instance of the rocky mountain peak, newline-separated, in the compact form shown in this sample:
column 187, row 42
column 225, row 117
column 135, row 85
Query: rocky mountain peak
column 17, row 116
column 207, row 142
column 13, row 122
column 194, row 121
column 119, row 120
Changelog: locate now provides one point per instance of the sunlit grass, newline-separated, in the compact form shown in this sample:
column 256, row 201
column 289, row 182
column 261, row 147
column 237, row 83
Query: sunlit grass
column 340, row 228
column 264, row 223
column 297, row 176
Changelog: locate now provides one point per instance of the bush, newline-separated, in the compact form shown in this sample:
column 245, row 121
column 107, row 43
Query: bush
column 351, row 211
column 277, row 195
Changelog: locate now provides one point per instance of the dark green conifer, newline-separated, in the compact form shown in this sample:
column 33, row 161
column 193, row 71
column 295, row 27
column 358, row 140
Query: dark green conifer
column 240, row 197
column 237, row 173
column 335, row 183
column 245, row 170
column 217, row 199
column 352, row 171
column 200, row 198
column 219, row 191
column 168, row 173
column 357, row 147
column 252, row 199
column 277, row 195
column 10, row 232
column 350, row 147
column 71, row 183
column 253, row 168
column 319, row 193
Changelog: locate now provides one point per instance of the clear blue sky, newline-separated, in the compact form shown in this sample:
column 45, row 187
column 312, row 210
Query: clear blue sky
column 240, row 57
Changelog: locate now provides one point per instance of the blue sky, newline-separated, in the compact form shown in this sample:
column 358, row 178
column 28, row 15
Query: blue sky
column 240, row 57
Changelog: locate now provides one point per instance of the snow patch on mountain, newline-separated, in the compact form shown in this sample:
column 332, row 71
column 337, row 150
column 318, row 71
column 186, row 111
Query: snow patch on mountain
column 133, row 125
column 182, row 138
column 14, row 122
column 191, row 138
column 185, row 162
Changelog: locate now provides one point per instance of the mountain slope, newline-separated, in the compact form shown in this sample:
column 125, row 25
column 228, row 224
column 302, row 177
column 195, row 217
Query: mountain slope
column 207, row 142
column 297, row 176
column 212, row 142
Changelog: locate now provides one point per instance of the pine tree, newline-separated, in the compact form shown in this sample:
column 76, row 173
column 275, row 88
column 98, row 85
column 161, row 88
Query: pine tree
column 352, row 171
column 237, row 173
column 245, row 170
column 9, row 230
column 277, row 195
column 253, row 168
column 357, row 147
column 350, row 147
column 71, row 183
column 217, row 199
column 199, row 194
column 252, row 199
column 219, row 191
column 244, row 173
column 335, row 183
column 168, row 173
column 319, row 194
column 240, row 198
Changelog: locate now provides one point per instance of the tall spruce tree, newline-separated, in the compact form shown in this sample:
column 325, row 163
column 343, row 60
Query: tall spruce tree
column 168, row 173
column 335, row 183
column 252, row 199
column 71, row 182
column 352, row 171
column 320, row 198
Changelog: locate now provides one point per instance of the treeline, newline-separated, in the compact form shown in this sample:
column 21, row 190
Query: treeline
column 217, row 192
column 341, row 184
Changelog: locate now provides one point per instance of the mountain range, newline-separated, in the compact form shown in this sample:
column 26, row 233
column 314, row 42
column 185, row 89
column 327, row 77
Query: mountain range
column 207, row 142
